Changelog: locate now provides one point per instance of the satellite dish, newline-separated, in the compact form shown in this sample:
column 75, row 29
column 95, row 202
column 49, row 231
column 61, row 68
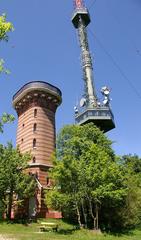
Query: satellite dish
column 82, row 102
column 105, row 90
column 98, row 104
column 75, row 110
column 105, row 101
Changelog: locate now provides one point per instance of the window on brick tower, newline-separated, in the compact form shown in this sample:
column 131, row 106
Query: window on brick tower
column 34, row 159
column 34, row 143
column 36, row 175
column 48, row 181
column 35, row 112
column 34, row 127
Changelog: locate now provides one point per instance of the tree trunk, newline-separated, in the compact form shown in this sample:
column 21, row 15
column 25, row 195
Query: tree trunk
column 78, row 216
column 84, row 214
column 10, row 201
column 91, row 212
column 97, row 217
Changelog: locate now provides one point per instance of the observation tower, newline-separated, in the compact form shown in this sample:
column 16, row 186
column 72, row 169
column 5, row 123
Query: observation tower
column 90, row 108
column 36, row 103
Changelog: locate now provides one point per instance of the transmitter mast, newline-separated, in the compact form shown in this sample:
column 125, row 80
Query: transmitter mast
column 90, row 109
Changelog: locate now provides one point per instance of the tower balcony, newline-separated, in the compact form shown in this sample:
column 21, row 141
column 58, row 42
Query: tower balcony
column 102, row 117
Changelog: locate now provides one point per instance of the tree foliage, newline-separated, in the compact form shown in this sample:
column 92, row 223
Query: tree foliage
column 131, row 212
column 6, row 118
column 86, row 174
column 5, row 28
column 14, row 182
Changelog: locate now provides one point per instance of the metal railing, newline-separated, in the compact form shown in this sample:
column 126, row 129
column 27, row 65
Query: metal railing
column 97, row 113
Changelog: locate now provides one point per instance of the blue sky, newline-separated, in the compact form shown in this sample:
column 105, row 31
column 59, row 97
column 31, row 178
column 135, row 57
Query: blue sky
column 44, row 46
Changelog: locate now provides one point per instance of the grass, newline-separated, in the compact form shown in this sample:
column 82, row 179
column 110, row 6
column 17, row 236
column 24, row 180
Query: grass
column 65, row 232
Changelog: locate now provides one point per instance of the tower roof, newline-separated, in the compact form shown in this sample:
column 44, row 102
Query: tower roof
column 37, row 86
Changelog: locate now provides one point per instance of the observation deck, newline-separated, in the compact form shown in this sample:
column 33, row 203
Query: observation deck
column 102, row 117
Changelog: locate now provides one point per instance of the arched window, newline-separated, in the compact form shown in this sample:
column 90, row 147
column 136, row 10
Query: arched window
column 34, row 127
column 35, row 112
column 34, row 159
column 34, row 143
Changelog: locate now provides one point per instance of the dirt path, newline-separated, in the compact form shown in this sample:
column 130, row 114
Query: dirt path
column 6, row 237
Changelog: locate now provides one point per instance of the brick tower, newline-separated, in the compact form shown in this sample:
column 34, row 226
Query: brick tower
column 36, row 103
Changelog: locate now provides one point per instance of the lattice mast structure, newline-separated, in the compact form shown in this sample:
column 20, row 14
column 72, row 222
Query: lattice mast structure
column 91, row 109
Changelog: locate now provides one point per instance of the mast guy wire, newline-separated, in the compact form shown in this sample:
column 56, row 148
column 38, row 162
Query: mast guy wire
column 116, row 64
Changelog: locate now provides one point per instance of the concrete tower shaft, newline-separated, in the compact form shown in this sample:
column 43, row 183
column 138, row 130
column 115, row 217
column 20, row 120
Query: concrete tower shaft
column 80, row 20
column 90, row 93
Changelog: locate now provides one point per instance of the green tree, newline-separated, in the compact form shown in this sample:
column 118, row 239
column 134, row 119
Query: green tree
column 5, row 28
column 132, row 163
column 6, row 118
column 14, row 180
column 131, row 211
column 85, row 173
